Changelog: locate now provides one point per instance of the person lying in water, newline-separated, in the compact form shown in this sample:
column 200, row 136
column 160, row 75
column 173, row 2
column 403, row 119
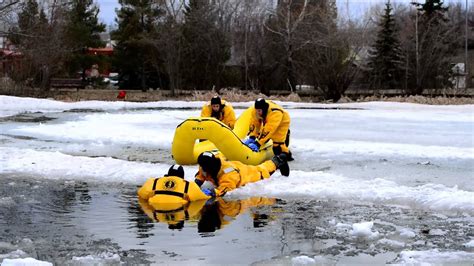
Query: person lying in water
column 171, row 189
column 229, row 175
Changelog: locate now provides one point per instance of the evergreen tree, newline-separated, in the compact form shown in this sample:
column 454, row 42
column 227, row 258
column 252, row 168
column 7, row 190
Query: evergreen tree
column 28, row 17
column 30, row 21
column 83, row 28
column 206, row 46
column 83, row 31
column 136, row 21
column 432, row 8
column 386, row 59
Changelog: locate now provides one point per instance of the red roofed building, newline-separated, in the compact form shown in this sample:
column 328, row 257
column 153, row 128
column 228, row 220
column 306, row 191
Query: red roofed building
column 10, row 61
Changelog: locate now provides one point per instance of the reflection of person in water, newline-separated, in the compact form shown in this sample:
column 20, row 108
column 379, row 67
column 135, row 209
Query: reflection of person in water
column 222, row 212
column 173, row 217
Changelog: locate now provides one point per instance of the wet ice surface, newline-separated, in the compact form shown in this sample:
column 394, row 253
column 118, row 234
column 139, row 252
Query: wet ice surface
column 369, row 185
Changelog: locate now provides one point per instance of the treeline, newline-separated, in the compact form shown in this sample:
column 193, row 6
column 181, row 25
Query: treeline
column 248, row 44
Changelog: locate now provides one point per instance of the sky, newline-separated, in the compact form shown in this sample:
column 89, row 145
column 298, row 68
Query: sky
column 417, row 156
column 356, row 7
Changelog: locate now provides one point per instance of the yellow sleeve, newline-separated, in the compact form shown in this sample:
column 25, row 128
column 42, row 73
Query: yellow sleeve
column 227, row 182
column 206, row 110
column 273, row 121
column 229, row 115
column 195, row 193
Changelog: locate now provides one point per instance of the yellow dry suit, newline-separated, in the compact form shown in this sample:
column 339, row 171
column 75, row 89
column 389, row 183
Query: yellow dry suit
column 234, row 174
column 274, row 125
column 226, row 113
column 170, row 190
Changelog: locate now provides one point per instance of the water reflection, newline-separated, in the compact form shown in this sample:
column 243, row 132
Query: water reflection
column 173, row 214
column 210, row 215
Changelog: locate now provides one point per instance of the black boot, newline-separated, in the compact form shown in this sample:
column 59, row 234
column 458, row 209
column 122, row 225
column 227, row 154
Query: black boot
column 290, row 157
column 281, row 163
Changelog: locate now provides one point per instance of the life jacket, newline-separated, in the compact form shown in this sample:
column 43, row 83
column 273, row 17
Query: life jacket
column 171, row 190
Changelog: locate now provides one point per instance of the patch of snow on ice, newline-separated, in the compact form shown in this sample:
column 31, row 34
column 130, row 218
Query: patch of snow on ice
column 435, row 256
column 302, row 260
column 405, row 232
column 363, row 230
column 25, row 262
column 100, row 259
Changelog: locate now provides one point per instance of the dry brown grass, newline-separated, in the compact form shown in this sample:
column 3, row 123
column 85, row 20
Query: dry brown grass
column 439, row 100
column 236, row 95
column 8, row 87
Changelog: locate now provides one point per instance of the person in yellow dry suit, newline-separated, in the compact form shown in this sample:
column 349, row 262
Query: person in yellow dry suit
column 269, row 122
column 228, row 175
column 220, row 110
column 222, row 212
column 171, row 190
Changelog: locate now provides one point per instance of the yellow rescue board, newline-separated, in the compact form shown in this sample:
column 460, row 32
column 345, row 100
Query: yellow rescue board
column 185, row 148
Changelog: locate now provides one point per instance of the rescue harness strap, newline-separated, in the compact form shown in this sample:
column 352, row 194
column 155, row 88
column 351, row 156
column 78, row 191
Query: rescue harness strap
column 173, row 193
column 186, row 187
column 154, row 183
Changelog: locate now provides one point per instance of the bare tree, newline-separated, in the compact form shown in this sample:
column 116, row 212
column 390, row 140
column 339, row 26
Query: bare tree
column 168, row 43
column 248, row 42
column 332, row 62
column 6, row 9
column 7, row 5
column 286, row 22
column 428, row 39
column 40, row 41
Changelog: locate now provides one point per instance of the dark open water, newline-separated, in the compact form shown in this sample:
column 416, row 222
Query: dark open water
column 74, row 223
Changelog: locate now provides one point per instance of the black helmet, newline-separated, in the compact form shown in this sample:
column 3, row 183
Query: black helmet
column 260, row 103
column 176, row 170
column 209, row 163
column 216, row 100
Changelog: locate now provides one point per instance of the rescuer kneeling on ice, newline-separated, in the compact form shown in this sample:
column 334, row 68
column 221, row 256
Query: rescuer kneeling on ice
column 269, row 122
column 229, row 175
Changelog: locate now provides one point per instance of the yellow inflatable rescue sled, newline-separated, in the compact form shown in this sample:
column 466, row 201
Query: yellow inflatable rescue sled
column 186, row 146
